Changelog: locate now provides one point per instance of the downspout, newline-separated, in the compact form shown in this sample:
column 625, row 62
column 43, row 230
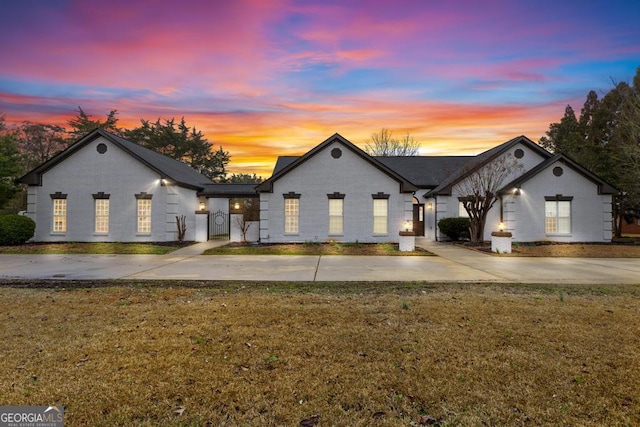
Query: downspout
column 435, row 215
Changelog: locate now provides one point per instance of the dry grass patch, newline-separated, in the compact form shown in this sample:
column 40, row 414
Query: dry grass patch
column 574, row 250
column 333, row 248
column 579, row 250
column 355, row 354
column 93, row 248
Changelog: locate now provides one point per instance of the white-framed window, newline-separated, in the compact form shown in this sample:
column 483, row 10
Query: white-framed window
column 59, row 216
column 380, row 216
column 557, row 215
column 462, row 212
column 291, row 215
column 102, row 215
column 144, row 216
column 336, row 208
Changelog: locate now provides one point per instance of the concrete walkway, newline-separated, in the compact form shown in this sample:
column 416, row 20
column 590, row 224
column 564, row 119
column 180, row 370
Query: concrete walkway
column 452, row 264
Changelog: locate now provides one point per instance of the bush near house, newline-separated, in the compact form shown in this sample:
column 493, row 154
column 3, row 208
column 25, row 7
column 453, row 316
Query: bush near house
column 455, row 228
column 16, row 229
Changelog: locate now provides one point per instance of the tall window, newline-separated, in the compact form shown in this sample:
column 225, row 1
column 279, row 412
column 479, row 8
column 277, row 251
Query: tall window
column 102, row 215
column 462, row 212
column 557, row 216
column 335, row 216
column 380, row 216
column 59, row 215
column 144, row 216
column 291, row 213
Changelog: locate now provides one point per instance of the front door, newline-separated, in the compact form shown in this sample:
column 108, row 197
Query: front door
column 418, row 219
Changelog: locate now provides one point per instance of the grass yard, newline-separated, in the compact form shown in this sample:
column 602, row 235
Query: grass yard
column 344, row 354
column 573, row 250
column 93, row 248
column 334, row 248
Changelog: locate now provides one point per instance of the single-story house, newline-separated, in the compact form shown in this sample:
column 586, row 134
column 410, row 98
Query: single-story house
column 106, row 188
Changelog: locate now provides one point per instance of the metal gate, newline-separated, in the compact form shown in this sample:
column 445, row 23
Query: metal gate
column 219, row 226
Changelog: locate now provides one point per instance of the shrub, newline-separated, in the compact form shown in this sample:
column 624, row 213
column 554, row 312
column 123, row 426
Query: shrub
column 16, row 229
column 455, row 228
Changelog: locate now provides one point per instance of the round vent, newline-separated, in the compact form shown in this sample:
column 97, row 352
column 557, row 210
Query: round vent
column 336, row 153
column 557, row 171
column 519, row 153
column 101, row 148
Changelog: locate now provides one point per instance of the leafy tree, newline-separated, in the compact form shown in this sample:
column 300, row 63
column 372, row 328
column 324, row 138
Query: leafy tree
column 244, row 178
column 10, row 168
column 82, row 124
column 478, row 192
column 565, row 135
column 182, row 143
column 39, row 142
column 384, row 144
column 607, row 143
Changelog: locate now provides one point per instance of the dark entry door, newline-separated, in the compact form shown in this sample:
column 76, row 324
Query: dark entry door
column 418, row 219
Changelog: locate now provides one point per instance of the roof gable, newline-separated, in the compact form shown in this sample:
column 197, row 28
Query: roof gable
column 287, row 164
column 168, row 168
column 603, row 186
column 445, row 187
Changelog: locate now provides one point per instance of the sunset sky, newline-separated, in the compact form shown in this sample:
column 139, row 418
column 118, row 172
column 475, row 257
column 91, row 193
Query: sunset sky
column 265, row 78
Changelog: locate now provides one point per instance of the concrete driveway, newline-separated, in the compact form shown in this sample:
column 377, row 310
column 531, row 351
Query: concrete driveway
column 452, row 264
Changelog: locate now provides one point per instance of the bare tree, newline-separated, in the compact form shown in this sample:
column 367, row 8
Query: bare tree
column 39, row 142
column 384, row 144
column 181, row 223
column 243, row 225
column 478, row 192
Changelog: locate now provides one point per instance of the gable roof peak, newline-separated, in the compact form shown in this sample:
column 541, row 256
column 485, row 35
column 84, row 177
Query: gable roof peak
column 267, row 185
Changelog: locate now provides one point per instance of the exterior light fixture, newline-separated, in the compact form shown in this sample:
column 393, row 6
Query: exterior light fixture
column 236, row 206
column 429, row 206
column 408, row 226
column 516, row 191
column 202, row 206
column 501, row 226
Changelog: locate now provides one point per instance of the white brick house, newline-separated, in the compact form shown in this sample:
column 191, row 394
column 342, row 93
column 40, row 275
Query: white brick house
column 105, row 188
column 547, row 198
column 334, row 192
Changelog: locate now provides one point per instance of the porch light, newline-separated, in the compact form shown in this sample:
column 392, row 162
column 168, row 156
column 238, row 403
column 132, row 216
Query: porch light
column 236, row 206
column 408, row 225
column 429, row 206
column 202, row 206
column 516, row 191
column 501, row 226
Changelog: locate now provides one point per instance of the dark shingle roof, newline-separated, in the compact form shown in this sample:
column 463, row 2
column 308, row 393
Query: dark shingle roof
column 168, row 168
column 229, row 190
column 425, row 171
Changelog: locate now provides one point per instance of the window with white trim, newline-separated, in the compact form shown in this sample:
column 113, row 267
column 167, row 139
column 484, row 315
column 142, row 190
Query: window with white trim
column 291, row 213
column 380, row 216
column 462, row 212
column 144, row 216
column 335, row 216
column 102, row 215
column 291, row 216
column 59, row 216
column 557, row 215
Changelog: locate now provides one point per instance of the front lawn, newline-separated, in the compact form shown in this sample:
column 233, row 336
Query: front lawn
column 335, row 248
column 349, row 354
column 574, row 250
column 93, row 248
